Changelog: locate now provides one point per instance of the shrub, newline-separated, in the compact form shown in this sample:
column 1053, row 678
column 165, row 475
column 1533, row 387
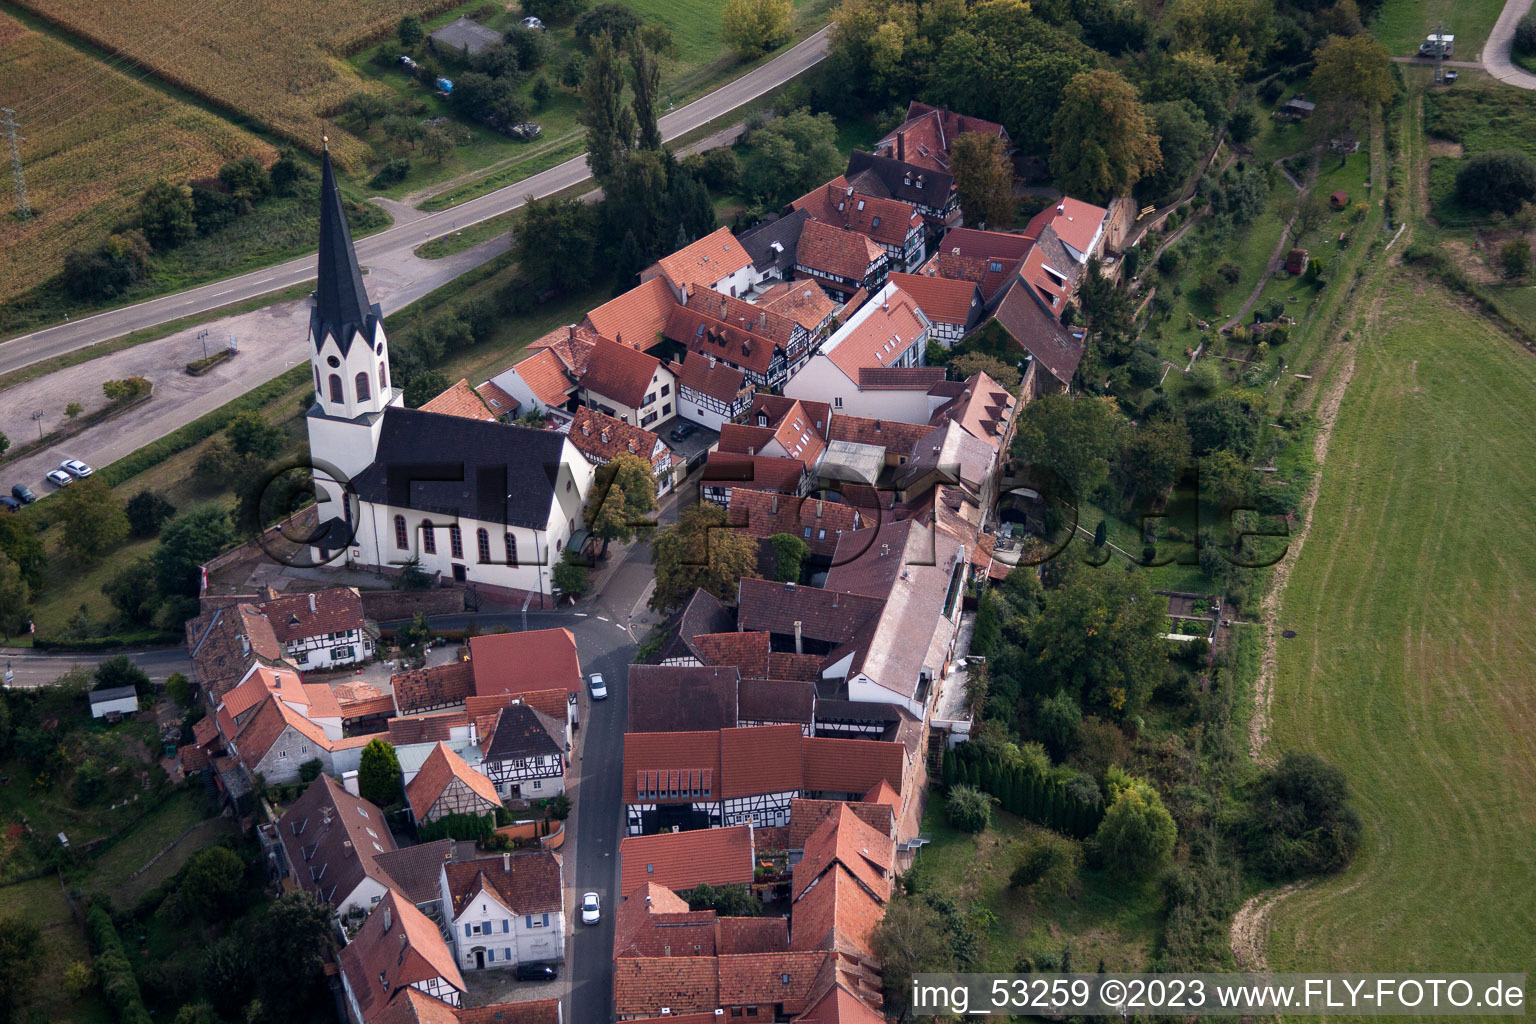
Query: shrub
column 1525, row 35
column 1500, row 180
column 1301, row 821
column 970, row 810
column 616, row 19
column 1048, row 866
column 1515, row 258
column 392, row 173
column 1137, row 835
column 147, row 511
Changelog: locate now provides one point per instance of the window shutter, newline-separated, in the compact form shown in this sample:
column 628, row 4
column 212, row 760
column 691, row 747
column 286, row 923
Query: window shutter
column 506, row 925
column 466, row 930
column 490, row 956
column 546, row 919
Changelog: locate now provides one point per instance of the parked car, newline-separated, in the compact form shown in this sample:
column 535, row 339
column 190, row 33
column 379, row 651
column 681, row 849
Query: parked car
column 527, row 131
column 536, row 972
column 59, row 478
column 76, row 468
column 682, row 431
column 406, row 62
column 590, row 914
column 10, row 504
column 534, row 23
column 1450, row 76
column 23, row 494
column 599, row 688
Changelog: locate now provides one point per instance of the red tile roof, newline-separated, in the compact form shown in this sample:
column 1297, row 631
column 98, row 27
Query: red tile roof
column 892, row 435
column 825, row 614
column 524, row 883
column 769, row 410
column 637, row 317
column 836, row 914
column 433, row 687
column 754, row 318
column 800, row 436
column 705, row 336
column 498, row 401
column 220, row 657
column 806, row 815
column 682, row 860
column 619, row 372
column 602, row 438
column 846, row 839
column 760, row 472
column 652, row 920
column 712, row 258
column 804, row 302
column 401, row 946
column 719, row 381
column 885, row 220
column 840, row 1006
column 928, row 135
column 785, row 665
column 683, row 984
column 1038, row 331
column 681, row 698
column 554, row 703
column 545, row 375
column 984, row 409
column 1074, row 221
column 837, row 251
column 851, row 766
column 760, row 759
column 735, row 936
column 881, row 336
column 747, row 652
column 426, row 728
column 764, row 514
column 539, row 659
column 440, row 768
column 534, row 1011
column 943, row 300
column 671, row 760
column 324, row 611
column 413, row 1006
column 572, row 345
column 463, row 401
column 899, row 378
column 759, row 978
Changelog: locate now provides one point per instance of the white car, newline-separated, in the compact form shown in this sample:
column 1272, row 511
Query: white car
column 589, row 909
column 533, row 23
column 76, row 468
column 599, row 688
column 59, row 478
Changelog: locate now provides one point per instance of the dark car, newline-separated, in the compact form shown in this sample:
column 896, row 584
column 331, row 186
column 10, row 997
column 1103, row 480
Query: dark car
column 9, row 504
column 536, row 972
column 527, row 131
column 23, row 494
column 682, row 431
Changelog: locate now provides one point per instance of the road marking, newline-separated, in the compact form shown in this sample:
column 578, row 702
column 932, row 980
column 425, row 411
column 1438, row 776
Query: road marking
column 620, row 625
column 581, row 615
column 602, row 618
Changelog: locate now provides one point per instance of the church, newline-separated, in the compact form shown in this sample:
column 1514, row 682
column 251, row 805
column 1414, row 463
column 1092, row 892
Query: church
column 478, row 501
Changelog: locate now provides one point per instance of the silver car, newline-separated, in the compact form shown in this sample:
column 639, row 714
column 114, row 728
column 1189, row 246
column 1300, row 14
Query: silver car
column 59, row 478
column 76, row 468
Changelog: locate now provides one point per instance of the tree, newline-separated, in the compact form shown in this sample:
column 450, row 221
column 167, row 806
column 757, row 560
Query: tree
column 1136, row 837
column 132, row 592
column 983, row 180
column 436, row 144
column 725, row 900
column 97, row 522
column 378, row 773
column 1300, row 821
column 179, row 690
column 213, row 881
column 1156, row 453
column 623, row 493
column 700, row 552
column 556, row 241
column 753, row 27
column 291, row 943
column 790, row 155
column 1500, row 180
column 1225, row 421
column 246, row 179
column 645, row 82
column 165, row 215
column 71, row 410
column 658, row 39
column 249, row 434
column 1240, row 32
column 362, row 109
column 1102, row 141
column 542, row 92
column 422, row 387
column 1056, row 721
column 146, row 512
column 1048, row 865
column 1515, row 258
column 21, row 958
column 125, row 389
column 15, row 598
column 1525, row 35
column 570, row 575
column 614, row 20
column 1097, row 638
column 970, row 810
column 1351, row 74
column 1074, row 438
column 109, row 269
column 910, row 937
column 5, row 443
column 968, row 364
column 19, row 543
column 186, row 544
column 789, row 555
column 1243, row 123
column 1182, row 137
column 410, row 32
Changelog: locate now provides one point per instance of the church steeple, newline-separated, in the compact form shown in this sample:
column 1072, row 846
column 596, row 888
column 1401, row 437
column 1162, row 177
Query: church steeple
column 341, row 304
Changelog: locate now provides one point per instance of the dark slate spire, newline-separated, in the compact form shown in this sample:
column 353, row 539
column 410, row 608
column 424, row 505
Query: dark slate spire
column 341, row 304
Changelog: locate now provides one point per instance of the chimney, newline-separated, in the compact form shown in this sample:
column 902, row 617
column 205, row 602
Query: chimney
column 835, row 594
column 1061, row 208
column 311, row 602
column 901, row 146
column 506, row 862
column 773, row 504
column 586, row 428
column 388, row 920
column 711, row 358
column 819, row 504
column 799, row 639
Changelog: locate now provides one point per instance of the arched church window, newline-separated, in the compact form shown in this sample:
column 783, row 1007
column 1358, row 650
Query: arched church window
column 401, row 541
column 336, row 395
column 511, row 542
column 383, row 379
column 483, row 542
column 428, row 537
column 362, row 387
column 455, row 541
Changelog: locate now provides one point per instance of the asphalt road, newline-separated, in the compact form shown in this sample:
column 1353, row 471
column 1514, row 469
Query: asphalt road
column 1496, row 53
column 38, row 668
column 407, row 235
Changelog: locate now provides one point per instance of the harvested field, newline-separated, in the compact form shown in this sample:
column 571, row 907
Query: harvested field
column 95, row 139
column 277, row 62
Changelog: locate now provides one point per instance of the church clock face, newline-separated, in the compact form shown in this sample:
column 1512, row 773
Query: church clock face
column 333, row 362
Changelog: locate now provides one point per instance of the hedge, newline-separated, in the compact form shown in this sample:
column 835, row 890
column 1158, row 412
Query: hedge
column 1026, row 794
column 113, row 972
column 143, row 638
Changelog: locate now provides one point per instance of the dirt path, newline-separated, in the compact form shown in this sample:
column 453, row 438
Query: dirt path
column 1278, row 256
column 1250, row 927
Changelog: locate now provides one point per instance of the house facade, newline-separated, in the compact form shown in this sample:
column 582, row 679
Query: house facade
column 324, row 629
column 525, row 754
column 851, row 371
column 504, row 911
column 446, row 785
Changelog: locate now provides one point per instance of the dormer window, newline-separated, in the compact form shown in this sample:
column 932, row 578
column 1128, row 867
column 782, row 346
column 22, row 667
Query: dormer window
column 995, row 267
column 875, row 223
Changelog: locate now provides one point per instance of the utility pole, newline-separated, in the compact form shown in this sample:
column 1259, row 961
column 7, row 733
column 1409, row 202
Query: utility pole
column 23, row 210
column 1439, row 56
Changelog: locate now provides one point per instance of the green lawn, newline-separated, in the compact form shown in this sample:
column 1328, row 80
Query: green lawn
column 109, row 873
column 1402, row 24
column 1100, row 919
column 42, row 902
column 1411, row 668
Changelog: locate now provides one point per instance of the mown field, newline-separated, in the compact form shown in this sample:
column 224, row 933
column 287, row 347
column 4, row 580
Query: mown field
column 1411, row 668
column 1402, row 24
column 95, row 139
column 277, row 62
column 42, row 902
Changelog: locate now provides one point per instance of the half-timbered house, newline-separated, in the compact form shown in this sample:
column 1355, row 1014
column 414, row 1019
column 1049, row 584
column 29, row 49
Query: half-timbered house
column 446, row 785
column 525, row 754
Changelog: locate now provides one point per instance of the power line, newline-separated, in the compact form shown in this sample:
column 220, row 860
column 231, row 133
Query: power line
column 23, row 209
